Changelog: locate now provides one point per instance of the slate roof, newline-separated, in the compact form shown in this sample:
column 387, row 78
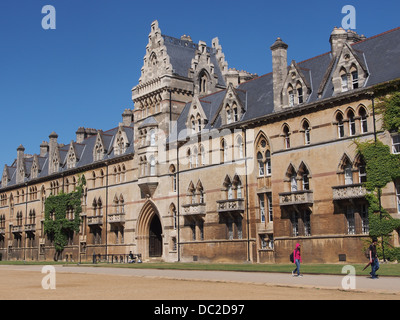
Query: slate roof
column 380, row 55
column 84, row 154
column 181, row 53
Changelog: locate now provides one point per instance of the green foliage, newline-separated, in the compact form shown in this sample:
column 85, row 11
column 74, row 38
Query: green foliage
column 389, row 108
column 57, row 226
column 382, row 168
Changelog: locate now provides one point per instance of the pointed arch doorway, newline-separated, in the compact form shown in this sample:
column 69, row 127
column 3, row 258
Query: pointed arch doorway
column 155, row 238
column 150, row 232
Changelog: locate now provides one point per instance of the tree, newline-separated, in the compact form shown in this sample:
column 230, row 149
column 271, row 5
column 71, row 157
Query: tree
column 57, row 226
column 382, row 168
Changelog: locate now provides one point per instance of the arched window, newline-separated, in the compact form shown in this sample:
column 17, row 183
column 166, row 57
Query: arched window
column 152, row 137
column 352, row 123
column 263, row 157
column 239, row 147
column 354, row 77
column 152, row 166
column 340, row 124
column 363, row 118
column 286, row 137
column 228, row 115
column 307, row 134
column 260, row 160
column 290, row 92
column 203, row 79
column 300, row 93
column 195, row 157
column 344, row 80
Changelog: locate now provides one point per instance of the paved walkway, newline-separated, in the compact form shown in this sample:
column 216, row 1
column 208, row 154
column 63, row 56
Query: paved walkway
column 384, row 284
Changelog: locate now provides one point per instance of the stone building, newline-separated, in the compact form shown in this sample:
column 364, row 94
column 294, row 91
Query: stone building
column 216, row 164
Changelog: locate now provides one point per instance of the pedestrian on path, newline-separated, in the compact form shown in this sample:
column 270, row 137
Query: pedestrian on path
column 373, row 259
column 297, row 260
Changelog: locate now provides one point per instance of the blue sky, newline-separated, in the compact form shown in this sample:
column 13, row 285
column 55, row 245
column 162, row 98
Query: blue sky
column 82, row 73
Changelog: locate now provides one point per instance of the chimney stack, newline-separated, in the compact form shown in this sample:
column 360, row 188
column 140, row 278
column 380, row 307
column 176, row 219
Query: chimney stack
column 127, row 117
column 279, row 69
column 20, row 164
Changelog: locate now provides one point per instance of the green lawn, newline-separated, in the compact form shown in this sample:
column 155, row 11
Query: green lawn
column 385, row 270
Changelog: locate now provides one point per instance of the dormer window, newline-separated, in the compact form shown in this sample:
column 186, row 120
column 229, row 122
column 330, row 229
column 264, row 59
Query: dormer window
column 354, row 77
column 300, row 95
column 291, row 96
column 203, row 83
column 228, row 115
column 345, row 85
column 235, row 113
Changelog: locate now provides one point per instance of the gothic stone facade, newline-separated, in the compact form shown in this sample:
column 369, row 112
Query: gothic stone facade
column 216, row 164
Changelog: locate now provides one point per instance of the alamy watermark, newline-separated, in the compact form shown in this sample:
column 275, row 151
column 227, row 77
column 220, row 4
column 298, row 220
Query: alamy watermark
column 349, row 21
column 49, row 20
column 349, row 281
column 49, row 280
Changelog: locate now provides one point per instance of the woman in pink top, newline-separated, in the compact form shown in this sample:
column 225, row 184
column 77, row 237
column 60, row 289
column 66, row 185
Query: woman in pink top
column 297, row 260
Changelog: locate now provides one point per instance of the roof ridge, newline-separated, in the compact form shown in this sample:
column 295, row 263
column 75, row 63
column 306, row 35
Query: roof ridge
column 376, row 36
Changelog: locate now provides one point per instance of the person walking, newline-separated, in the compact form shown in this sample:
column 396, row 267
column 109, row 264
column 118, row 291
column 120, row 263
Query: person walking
column 297, row 260
column 373, row 259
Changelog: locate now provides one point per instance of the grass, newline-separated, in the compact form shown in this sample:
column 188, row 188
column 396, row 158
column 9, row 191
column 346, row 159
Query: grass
column 332, row 269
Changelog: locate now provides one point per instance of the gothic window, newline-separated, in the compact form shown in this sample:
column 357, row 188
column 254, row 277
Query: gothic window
column 364, row 123
column 202, row 155
column 352, row 123
column 237, row 187
column 340, row 124
column 235, row 112
column 239, row 147
column 152, row 166
column 348, row 174
column 195, row 157
column 286, row 137
column 203, row 79
column 351, row 225
column 172, row 172
column 152, row 137
column 305, row 177
column 300, row 93
column 173, row 214
column 307, row 133
column 261, row 166
column 291, row 95
column 98, row 152
column 228, row 115
column 263, row 158
column 397, row 186
column 354, row 77
column 344, row 80
column 396, row 143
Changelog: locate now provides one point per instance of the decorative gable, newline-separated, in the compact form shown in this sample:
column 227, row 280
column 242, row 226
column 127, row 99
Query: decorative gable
column 35, row 167
column 202, row 71
column 296, row 89
column 72, row 157
column 5, row 178
column 55, row 161
column 156, row 61
column 120, row 141
column 197, row 118
column 350, row 72
column 232, row 107
column 99, row 149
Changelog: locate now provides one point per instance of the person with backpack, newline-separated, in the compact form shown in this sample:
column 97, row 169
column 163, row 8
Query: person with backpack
column 373, row 259
column 297, row 260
